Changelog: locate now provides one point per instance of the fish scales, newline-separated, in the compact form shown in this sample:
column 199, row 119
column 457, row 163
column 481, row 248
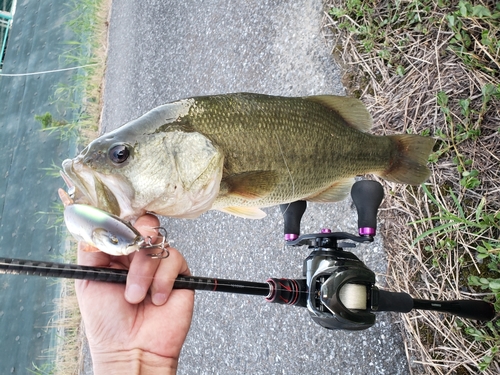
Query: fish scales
column 305, row 142
column 239, row 152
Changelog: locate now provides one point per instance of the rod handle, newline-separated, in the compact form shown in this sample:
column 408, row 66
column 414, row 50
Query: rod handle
column 383, row 300
column 469, row 309
column 367, row 196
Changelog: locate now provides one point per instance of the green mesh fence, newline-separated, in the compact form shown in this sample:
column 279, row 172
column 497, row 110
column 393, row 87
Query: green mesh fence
column 36, row 43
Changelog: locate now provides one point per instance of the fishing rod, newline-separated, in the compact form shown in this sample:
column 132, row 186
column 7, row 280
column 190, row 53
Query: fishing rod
column 338, row 289
column 273, row 289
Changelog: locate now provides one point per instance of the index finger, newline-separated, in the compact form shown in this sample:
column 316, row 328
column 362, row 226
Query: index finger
column 142, row 267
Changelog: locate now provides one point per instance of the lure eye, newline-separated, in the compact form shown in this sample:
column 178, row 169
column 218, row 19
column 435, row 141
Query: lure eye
column 113, row 239
column 119, row 154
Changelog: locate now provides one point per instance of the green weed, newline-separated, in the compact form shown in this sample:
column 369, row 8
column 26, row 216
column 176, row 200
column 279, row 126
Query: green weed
column 80, row 99
column 475, row 36
column 44, row 369
column 478, row 222
column 66, row 131
column 475, row 29
column 48, row 121
column 53, row 171
column 54, row 219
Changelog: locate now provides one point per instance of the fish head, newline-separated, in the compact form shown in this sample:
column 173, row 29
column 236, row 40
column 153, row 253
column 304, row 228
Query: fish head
column 97, row 175
column 152, row 164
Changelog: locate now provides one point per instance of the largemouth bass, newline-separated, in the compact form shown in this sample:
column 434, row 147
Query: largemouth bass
column 240, row 152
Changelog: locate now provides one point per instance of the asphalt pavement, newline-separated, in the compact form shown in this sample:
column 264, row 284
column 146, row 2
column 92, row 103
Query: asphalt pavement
column 161, row 51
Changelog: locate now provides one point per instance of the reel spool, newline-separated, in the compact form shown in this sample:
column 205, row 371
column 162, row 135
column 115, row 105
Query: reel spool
column 354, row 296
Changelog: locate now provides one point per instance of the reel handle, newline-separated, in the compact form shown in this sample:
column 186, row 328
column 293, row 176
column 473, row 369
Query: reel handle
column 292, row 214
column 367, row 196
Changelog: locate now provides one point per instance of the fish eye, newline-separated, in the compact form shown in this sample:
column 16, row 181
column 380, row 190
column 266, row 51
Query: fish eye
column 119, row 153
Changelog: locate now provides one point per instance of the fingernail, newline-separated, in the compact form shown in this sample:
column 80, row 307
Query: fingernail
column 159, row 299
column 134, row 293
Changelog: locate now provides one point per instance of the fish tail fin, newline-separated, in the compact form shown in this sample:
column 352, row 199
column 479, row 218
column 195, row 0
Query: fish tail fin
column 409, row 164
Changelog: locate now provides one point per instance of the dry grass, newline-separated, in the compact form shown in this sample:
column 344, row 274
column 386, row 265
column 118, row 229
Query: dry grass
column 68, row 325
column 400, row 61
column 94, row 87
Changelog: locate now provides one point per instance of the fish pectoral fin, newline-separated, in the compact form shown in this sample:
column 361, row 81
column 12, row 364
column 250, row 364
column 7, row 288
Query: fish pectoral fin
column 250, row 185
column 244, row 212
column 336, row 192
column 352, row 110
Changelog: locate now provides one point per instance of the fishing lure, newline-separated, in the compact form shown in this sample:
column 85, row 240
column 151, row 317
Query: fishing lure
column 107, row 232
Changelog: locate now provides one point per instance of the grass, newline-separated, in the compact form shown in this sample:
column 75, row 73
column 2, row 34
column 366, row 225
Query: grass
column 432, row 67
column 84, row 97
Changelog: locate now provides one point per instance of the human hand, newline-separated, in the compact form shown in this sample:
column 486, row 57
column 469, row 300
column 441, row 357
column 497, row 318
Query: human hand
column 130, row 330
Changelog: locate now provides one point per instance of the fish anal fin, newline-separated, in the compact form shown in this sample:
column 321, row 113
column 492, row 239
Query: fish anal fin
column 352, row 110
column 336, row 192
column 244, row 212
column 409, row 164
column 250, row 185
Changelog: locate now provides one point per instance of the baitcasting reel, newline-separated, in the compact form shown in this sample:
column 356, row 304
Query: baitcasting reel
column 341, row 291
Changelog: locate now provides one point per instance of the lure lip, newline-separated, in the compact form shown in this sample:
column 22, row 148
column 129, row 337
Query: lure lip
column 66, row 198
column 77, row 190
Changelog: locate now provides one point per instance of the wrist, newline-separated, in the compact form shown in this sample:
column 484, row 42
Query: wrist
column 133, row 362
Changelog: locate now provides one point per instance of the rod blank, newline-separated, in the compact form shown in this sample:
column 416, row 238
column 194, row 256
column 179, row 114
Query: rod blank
column 74, row 271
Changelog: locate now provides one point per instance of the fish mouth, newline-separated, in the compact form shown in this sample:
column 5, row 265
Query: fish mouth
column 81, row 184
column 110, row 193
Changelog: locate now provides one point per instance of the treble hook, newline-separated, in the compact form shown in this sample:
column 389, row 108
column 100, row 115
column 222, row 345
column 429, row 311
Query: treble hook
column 163, row 245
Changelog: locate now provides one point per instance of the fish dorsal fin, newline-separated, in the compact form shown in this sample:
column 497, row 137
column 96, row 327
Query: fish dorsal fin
column 352, row 110
column 250, row 185
column 244, row 212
